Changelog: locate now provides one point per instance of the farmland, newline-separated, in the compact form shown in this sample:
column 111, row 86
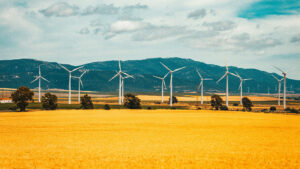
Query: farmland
column 148, row 139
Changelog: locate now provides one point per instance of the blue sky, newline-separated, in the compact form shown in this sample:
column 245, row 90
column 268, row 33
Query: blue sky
column 249, row 33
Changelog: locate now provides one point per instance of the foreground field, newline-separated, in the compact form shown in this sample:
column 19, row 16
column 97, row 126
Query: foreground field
column 148, row 139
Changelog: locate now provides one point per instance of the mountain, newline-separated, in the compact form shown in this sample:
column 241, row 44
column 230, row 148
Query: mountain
column 14, row 73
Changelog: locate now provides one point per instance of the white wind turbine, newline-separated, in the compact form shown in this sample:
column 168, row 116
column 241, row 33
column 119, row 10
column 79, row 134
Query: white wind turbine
column 284, row 86
column 241, row 85
column 201, row 85
column 171, row 83
column 70, row 77
column 163, row 85
column 122, row 94
column 279, row 88
column 39, row 77
column 119, row 73
column 79, row 83
column 226, row 74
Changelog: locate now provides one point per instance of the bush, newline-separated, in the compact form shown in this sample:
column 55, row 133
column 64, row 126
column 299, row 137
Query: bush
column 294, row 111
column 86, row 102
column 287, row 109
column 273, row 108
column 106, row 107
column 21, row 97
column 235, row 104
column 49, row 101
column 264, row 110
column 149, row 108
column 224, row 108
column 198, row 108
column 132, row 102
column 216, row 102
column 174, row 99
column 247, row 103
column 13, row 108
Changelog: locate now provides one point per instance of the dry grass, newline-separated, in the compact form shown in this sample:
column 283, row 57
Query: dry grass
column 148, row 139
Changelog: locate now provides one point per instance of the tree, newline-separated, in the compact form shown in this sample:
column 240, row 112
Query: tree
column 86, row 102
column 21, row 97
column 49, row 101
column 106, row 107
column 216, row 102
column 132, row 102
column 174, row 99
column 247, row 103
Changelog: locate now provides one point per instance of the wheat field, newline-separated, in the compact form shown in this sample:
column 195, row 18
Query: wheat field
column 148, row 139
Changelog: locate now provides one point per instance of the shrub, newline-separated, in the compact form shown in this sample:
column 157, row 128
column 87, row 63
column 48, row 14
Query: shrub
column 235, row 104
column 216, row 102
column 224, row 108
column 149, row 108
column 21, row 97
column 287, row 109
column 86, row 102
column 264, row 110
column 49, row 101
column 132, row 102
column 13, row 108
column 174, row 99
column 294, row 111
column 273, row 108
column 198, row 108
column 247, row 103
column 106, row 107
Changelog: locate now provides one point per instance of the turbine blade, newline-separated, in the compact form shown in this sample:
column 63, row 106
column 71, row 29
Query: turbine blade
column 237, row 74
column 165, row 84
column 166, row 75
column 114, row 76
column 275, row 77
column 35, row 79
column 234, row 75
column 120, row 64
column 199, row 74
column 157, row 77
column 166, row 67
column 208, row 79
column 81, row 82
column 83, row 74
column 179, row 69
column 246, row 79
column 64, row 67
column 45, row 79
column 278, row 69
column 222, row 78
column 240, row 85
column 128, row 75
column 77, row 68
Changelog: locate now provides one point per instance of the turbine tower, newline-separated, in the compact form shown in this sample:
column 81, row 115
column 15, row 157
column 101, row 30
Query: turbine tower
column 226, row 74
column 39, row 77
column 279, row 88
column 284, row 86
column 70, row 77
column 171, row 83
column 241, row 85
column 163, row 85
column 79, row 83
column 201, row 85
column 119, row 73
column 123, row 78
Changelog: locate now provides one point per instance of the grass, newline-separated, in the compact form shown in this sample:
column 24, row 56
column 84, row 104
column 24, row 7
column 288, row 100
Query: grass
column 148, row 139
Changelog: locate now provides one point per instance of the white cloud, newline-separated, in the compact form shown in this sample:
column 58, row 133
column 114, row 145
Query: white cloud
column 60, row 10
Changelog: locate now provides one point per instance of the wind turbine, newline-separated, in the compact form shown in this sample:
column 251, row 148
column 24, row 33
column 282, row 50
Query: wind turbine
column 171, row 84
column 119, row 73
column 70, row 77
column 279, row 88
column 226, row 74
column 39, row 77
column 163, row 85
column 201, row 85
column 241, row 85
column 123, row 78
column 284, row 86
column 79, row 83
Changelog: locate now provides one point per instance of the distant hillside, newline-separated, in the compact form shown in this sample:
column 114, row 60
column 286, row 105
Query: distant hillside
column 14, row 73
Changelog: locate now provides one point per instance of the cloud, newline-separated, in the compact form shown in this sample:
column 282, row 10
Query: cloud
column 295, row 39
column 84, row 31
column 101, row 9
column 60, row 10
column 199, row 13
column 159, row 32
column 220, row 25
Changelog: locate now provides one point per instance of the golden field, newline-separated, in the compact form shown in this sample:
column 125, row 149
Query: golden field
column 148, row 139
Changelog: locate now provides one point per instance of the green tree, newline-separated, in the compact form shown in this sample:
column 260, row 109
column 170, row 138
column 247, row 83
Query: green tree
column 247, row 103
column 174, row 99
column 21, row 97
column 49, row 101
column 216, row 102
column 132, row 102
column 86, row 102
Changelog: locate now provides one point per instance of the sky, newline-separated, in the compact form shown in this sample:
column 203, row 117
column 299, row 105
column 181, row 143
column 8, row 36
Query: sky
column 248, row 34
